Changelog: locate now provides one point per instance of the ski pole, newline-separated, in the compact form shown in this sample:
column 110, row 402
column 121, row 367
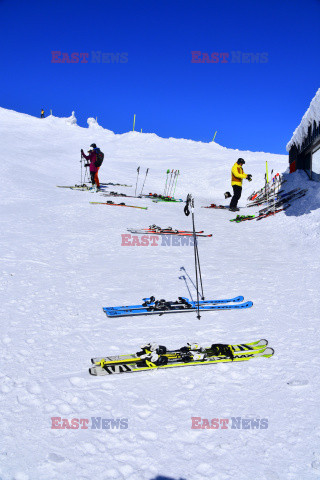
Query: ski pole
column 174, row 191
column 165, row 187
column 81, row 170
column 169, row 183
column 173, row 180
column 135, row 192
column 190, row 206
column 169, row 180
column 174, row 177
column 88, row 176
column 144, row 180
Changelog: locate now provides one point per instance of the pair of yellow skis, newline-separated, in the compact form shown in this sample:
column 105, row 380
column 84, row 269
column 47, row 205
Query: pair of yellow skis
column 130, row 363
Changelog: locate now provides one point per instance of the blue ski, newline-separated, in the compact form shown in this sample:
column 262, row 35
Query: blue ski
column 151, row 301
column 174, row 308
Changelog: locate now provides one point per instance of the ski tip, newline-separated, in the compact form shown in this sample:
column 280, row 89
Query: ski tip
column 92, row 371
column 269, row 352
column 240, row 298
column 244, row 305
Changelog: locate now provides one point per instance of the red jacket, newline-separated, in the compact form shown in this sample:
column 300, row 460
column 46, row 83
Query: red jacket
column 92, row 157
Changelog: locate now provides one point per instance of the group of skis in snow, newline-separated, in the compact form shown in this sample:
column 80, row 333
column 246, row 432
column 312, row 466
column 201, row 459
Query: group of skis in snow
column 153, row 356
column 272, row 198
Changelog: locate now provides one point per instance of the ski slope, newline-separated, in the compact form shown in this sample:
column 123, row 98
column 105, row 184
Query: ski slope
column 62, row 261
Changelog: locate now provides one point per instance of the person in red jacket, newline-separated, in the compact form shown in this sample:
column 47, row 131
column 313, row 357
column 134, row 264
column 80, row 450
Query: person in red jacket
column 92, row 158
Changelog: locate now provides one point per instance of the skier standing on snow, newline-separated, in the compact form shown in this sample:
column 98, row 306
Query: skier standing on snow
column 237, row 175
column 42, row 113
column 95, row 160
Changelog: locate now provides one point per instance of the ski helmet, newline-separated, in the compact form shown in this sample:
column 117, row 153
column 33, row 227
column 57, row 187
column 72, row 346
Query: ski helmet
column 239, row 161
column 93, row 145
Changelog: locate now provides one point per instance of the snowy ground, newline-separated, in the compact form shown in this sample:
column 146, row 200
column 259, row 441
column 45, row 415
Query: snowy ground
column 62, row 261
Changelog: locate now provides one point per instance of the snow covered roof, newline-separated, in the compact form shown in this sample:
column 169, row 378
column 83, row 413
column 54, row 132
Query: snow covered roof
column 311, row 115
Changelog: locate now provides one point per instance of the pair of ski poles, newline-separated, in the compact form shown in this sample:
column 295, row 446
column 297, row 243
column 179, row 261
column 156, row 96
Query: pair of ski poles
column 138, row 173
column 189, row 208
column 170, row 188
column 84, row 178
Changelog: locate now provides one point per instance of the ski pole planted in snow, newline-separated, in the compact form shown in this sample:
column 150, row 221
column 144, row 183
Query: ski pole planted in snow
column 190, row 207
column 135, row 192
column 174, row 191
column 169, row 183
column 81, row 183
column 144, row 181
column 171, row 186
column 165, row 188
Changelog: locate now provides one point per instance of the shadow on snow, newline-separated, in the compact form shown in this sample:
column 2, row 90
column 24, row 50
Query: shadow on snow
column 160, row 477
column 306, row 204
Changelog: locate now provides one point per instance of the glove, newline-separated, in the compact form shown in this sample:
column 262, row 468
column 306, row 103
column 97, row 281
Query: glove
column 249, row 177
column 82, row 152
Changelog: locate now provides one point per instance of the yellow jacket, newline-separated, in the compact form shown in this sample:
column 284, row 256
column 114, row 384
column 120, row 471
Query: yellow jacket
column 237, row 175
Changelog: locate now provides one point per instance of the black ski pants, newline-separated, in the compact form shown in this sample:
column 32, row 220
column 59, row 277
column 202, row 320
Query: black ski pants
column 236, row 196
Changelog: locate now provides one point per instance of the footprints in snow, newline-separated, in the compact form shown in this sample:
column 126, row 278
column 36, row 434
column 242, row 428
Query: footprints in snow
column 53, row 457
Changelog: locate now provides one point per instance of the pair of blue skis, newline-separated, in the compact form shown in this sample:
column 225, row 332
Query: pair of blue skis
column 150, row 306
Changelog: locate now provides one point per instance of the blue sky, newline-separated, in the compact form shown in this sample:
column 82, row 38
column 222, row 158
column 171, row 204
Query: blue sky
column 254, row 106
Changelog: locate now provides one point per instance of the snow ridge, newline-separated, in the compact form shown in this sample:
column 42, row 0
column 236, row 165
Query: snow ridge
column 311, row 115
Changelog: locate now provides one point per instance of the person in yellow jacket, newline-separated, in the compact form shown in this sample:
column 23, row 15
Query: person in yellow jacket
column 237, row 175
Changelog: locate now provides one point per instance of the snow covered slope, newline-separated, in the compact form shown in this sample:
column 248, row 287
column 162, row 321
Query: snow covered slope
column 62, row 261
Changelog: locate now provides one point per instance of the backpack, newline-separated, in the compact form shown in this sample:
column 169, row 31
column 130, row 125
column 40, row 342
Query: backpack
column 99, row 159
